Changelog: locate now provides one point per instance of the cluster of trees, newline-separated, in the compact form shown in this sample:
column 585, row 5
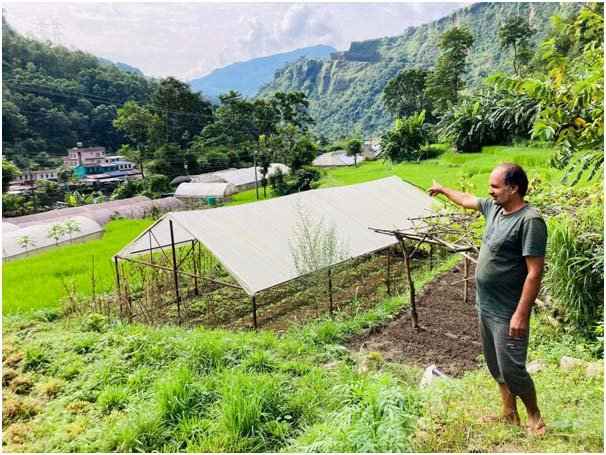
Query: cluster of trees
column 53, row 97
column 555, row 94
column 349, row 94
column 432, row 104
column 180, row 132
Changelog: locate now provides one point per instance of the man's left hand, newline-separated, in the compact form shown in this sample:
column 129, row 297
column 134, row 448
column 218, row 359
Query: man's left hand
column 518, row 326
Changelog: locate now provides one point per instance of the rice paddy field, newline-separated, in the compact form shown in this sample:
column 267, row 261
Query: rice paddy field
column 86, row 383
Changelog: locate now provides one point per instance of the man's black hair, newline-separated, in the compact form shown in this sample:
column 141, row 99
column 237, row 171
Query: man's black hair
column 515, row 176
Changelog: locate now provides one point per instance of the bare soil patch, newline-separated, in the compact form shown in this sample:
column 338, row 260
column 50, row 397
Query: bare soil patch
column 449, row 337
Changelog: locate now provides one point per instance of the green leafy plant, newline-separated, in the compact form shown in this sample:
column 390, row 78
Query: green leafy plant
column 407, row 140
column 467, row 125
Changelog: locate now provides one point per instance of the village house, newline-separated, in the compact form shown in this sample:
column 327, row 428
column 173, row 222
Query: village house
column 91, row 166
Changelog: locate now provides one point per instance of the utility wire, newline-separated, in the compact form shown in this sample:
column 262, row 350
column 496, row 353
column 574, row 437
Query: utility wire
column 96, row 98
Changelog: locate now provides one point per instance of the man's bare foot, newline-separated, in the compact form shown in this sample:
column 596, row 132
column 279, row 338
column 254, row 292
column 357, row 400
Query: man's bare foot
column 536, row 426
column 512, row 418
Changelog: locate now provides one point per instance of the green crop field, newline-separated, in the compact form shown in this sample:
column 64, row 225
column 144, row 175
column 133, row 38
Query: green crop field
column 37, row 282
column 450, row 169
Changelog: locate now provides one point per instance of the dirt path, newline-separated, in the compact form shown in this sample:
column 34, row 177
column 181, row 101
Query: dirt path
column 448, row 338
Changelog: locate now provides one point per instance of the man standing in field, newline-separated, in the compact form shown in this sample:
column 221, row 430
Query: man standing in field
column 508, row 279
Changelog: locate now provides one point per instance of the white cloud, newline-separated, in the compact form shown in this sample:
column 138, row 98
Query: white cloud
column 188, row 40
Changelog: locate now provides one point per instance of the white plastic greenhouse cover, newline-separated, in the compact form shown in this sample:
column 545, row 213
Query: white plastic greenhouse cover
column 205, row 189
column 338, row 158
column 253, row 241
column 134, row 208
column 9, row 227
column 39, row 239
column 246, row 175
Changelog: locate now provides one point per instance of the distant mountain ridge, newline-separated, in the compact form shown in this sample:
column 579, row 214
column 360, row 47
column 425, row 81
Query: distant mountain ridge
column 121, row 66
column 345, row 92
column 248, row 76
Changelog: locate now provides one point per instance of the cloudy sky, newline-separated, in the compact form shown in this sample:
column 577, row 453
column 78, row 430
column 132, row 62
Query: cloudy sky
column 189, row 40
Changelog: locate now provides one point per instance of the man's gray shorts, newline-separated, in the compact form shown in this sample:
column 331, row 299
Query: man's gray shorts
column 505, row 356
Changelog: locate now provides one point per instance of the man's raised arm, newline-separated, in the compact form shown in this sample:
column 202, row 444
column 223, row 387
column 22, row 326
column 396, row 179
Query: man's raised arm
column 469, row 201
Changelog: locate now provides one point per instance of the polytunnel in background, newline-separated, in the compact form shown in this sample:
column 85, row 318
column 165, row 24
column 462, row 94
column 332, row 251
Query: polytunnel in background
column 9, row 227
column 221, row 191
column 243, row 179
column 253, row 241
column 35, row 239
column 336, row 159
column 134, row 208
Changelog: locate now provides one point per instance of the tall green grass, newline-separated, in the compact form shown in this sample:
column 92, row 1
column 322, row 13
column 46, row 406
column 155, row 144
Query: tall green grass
column 451, row 168
column 35, row 283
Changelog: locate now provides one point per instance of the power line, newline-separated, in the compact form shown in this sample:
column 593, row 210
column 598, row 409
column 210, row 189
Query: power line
column 96, row 98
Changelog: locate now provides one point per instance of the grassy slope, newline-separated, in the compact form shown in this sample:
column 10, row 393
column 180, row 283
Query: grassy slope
column 98, row 388
column 450, row 169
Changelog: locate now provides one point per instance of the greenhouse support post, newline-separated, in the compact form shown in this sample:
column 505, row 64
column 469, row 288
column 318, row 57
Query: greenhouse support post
column 175, row 274
column 254, row 306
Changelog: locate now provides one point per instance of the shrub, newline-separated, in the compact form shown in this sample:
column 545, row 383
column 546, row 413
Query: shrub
column 21, row 384
column 575, row 277
column 94, row 322
column 468, row 126
column 182, row 395
column 8, row 374
column 260, row 362
column 51, row 388
column 408, row 138
column 18, row 409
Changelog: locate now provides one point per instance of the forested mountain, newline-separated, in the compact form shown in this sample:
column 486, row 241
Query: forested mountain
column 122, row 66
column 345, row 92
column 246, row 77
column 53, row 97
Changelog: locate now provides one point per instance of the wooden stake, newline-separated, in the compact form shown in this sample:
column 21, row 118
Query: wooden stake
column 431, row 256
column 466, row 282
column 413, row 306
column 388, row 270
column 93, row 285
column 254, row 305
column 196, row 292
column 118, row 281
column 329, row 290
column 175, row 274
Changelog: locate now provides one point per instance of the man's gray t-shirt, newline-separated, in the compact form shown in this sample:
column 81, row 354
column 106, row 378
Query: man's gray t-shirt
column 501, row 269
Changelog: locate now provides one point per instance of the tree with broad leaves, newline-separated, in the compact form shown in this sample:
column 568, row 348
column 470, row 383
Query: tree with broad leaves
column 9, row 172
column 142, row 128
column 56, row 231
column 26, row 242
column 444, row 84
column 405, row 94
column 71, row 227
column 570, row 96
column 516, row 34
column 354, row 148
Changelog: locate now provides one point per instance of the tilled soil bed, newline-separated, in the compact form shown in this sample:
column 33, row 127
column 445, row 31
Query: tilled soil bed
column 449, row 335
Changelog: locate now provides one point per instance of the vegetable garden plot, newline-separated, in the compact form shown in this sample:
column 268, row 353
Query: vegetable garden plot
column 209, row 297
column 262, row 246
